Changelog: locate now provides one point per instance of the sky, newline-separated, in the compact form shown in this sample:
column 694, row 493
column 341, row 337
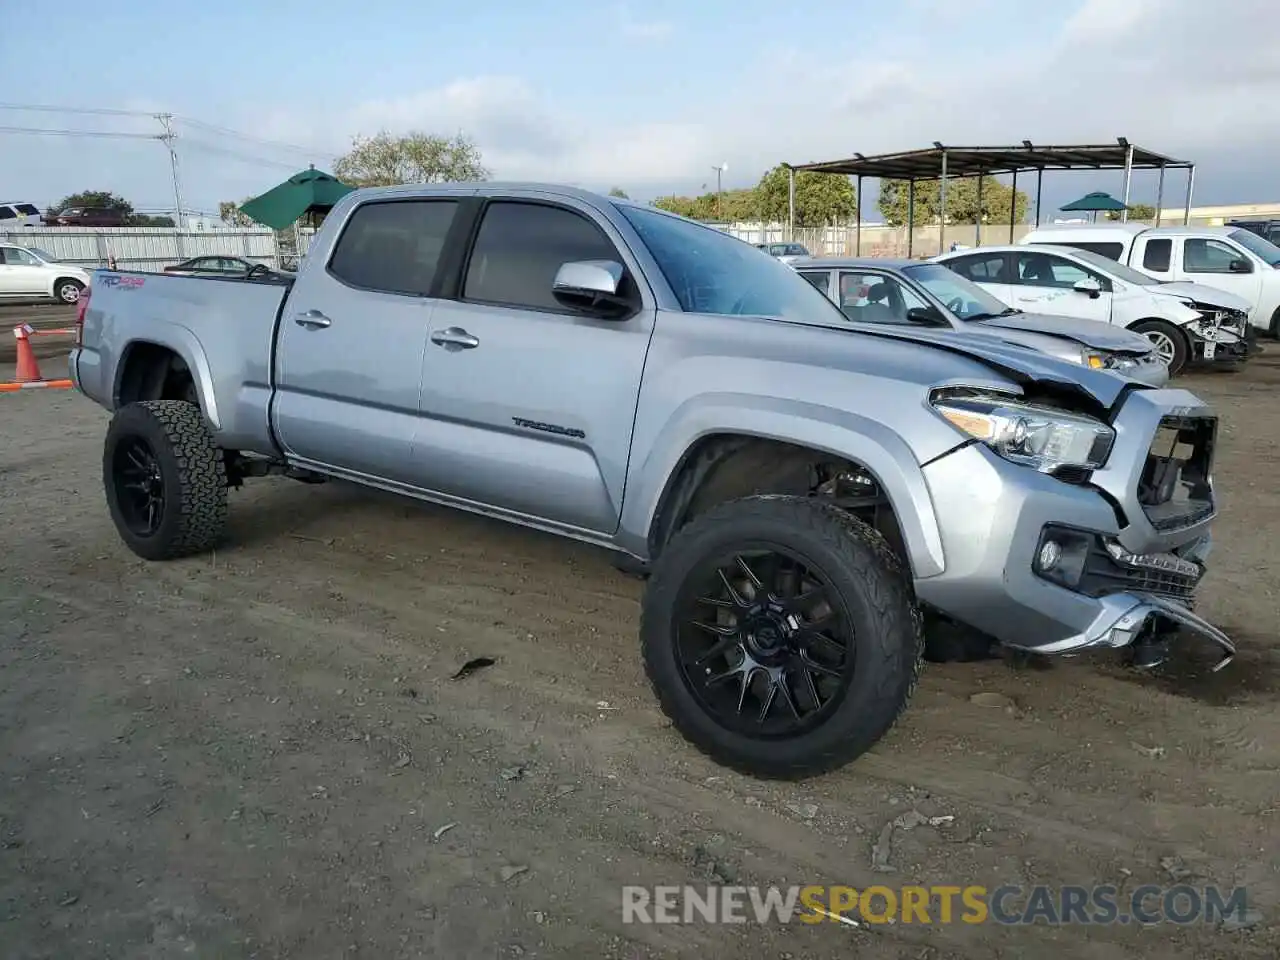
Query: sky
column 647, row 96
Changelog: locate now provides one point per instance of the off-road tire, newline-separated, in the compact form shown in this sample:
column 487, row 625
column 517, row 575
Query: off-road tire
column 194, row 474
column 1181, row 345
column 861, row 568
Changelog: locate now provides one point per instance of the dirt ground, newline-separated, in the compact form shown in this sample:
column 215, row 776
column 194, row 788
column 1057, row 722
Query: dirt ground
column 256, row 753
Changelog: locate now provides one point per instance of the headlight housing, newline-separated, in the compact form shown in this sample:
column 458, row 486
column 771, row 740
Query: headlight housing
column 1034, row 436
column 1093, row 359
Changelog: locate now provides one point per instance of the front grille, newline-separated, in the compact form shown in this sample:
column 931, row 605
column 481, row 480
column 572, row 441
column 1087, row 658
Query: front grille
column 1175, row 489
column 1115, row 571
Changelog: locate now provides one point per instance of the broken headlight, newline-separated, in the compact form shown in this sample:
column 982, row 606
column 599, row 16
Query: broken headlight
column 1033, row 436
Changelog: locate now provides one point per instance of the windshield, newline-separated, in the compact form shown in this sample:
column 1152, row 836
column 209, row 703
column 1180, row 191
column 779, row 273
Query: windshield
column 712, row 272
column 1113, row 269
column 963, row 297
column 43, row 255
column 1260, row 247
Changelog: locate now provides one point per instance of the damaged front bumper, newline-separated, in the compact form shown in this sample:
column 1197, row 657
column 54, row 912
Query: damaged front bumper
column 1124, row 618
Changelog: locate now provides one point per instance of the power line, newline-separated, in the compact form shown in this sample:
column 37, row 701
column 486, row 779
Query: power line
column 237, row 155
column 112, row 134
column 227, row 131
column 101, row 111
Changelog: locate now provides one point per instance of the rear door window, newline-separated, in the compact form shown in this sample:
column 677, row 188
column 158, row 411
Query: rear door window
column 981, row 269
column 819, row 278
column 393, row 246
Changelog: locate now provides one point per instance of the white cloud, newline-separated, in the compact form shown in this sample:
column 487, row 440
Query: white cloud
column 1184, row 77
column 643, row 29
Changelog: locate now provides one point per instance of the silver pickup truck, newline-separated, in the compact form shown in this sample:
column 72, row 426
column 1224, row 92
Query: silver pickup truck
column 799, row 493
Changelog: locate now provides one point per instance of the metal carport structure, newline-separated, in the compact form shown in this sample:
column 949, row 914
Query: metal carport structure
column 941, row 162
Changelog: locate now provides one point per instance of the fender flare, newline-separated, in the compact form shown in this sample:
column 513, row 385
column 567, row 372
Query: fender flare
column 838, row 433
column 182, row 343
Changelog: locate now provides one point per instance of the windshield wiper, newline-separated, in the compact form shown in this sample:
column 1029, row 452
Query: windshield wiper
column 1006, row 312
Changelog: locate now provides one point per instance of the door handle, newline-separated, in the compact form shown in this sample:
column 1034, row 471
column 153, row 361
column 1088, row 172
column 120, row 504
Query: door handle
column 455, row 338
column 312, row 320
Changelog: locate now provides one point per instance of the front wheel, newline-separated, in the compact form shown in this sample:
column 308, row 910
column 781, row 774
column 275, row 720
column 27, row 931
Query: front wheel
column 1170, row 343
column 68, row 291
column 780, row 635
column 165, row 479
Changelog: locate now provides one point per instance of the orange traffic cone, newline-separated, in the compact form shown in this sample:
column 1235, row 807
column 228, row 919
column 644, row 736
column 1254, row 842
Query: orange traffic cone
column 28, row 369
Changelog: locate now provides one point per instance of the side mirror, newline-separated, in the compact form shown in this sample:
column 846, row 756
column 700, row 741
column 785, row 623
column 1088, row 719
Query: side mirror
column 926, row 315
column 1240, row 266
column 591, row 286
column 1087, row 285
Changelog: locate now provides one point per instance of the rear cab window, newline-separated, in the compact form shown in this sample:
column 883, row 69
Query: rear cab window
column 1157, row 255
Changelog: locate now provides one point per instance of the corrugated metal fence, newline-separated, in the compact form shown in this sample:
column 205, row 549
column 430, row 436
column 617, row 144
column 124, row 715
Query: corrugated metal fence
column 148, row 248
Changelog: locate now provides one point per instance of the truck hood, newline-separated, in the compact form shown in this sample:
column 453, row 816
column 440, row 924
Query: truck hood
column 1032, row 370
column 1093, row 334
column 1200, row 293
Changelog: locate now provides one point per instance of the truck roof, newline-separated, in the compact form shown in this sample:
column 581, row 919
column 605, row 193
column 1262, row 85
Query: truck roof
column 1109, row 231
column 484, row 187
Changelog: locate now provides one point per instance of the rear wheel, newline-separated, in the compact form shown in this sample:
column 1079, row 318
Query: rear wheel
column 780, row 635
column 67, row 290
column 165, row 479
column 1170, row 342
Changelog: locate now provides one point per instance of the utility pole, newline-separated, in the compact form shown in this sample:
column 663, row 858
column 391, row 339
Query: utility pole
column 720, row 170
column 167, row 138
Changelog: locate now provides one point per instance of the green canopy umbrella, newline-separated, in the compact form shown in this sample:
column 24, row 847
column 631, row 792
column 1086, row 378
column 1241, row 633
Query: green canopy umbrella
column 1093, row 202
column 311, row 191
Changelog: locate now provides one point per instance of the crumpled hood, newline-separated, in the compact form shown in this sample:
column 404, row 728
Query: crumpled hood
column 1026, row 366
column 1202, row 294
column 1088, row 333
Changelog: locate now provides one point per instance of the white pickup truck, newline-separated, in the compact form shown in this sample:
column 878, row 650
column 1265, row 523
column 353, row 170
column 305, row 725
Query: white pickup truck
column 1229, row 258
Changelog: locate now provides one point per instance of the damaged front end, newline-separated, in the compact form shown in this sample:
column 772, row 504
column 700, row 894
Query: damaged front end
column 1102, row 543
column 1221, row 335
column 1145, row 587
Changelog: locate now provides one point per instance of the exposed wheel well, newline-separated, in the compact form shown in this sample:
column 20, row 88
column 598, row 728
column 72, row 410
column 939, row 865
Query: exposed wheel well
column 727, row 467
column 152, row 372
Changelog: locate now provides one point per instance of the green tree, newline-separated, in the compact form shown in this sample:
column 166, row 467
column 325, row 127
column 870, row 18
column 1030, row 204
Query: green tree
column 416, row 157
column 821, row 198
column 229, row 212
column 731, row 206
column 962, row 201
column 1137, row 211
column 93, row 198
column 147, row 220
column 619, row 193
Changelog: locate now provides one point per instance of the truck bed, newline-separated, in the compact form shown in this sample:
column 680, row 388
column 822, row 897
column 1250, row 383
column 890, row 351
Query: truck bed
column 223, row 327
